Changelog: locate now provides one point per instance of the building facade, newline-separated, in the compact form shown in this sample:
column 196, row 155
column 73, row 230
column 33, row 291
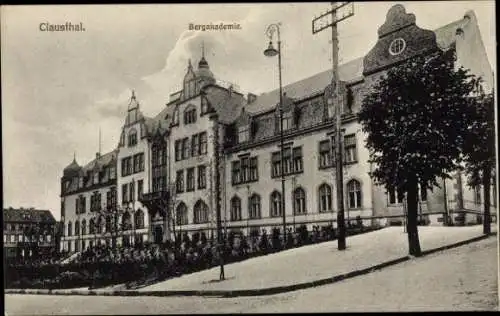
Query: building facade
column 177, row 150
column 88, row 198
column 28, row 234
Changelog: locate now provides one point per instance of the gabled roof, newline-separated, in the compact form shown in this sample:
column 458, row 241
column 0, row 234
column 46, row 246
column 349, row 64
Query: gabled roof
column 27, row 215
column 350, row 71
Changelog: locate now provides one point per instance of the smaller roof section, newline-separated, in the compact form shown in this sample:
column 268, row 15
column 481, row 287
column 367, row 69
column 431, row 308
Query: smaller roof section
column 72, row 169
column 27, row 215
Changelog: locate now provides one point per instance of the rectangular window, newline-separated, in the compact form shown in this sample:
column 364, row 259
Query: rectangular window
column 179, row 181
column 276, row 165
column 96, row 178
column 185, row 148
column 141, row 162
column 325, row 154
column 131, row 191
column 203, row 143
column 297, row 159
column 254, row 171
column 395, row 197
column 140, row 189
column 124, row 193
column 129, row 166
column 243, row 134
column 136, row 163
column 112, row 173
column 202, row 177
column 195, row 145
column 84, row 204
column 287, row 122
column 245, row 168
column 178, row 150
column 236, row 172
column 287, row 161
column 124, row 167
column 190, row 179
column 350, row 153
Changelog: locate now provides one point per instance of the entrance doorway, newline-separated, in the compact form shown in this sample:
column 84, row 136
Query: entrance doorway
column 158, row 234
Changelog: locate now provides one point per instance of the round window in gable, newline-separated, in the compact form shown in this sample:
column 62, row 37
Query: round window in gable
column 397, row 46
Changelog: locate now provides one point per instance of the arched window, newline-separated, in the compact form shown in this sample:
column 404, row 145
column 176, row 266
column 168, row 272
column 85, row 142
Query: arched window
column 354, row 191
column 276, row 208
column 70, row 229
column 200, row 212
column 190, row 114
column 235, row 209
column 139, row 219
column 132, row 137
column 299, row 201
column 77, row 228
column 325, row 198
column 92, row 226
column 126, row 221
column 181, row 216
column 84, row 227
column 254, row 206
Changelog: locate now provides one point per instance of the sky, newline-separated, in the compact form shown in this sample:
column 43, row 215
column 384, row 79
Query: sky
column 60, row 88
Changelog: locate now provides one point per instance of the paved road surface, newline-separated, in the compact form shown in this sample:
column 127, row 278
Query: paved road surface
column 463, row 278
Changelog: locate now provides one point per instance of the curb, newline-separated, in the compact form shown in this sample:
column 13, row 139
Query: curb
column 250, row 292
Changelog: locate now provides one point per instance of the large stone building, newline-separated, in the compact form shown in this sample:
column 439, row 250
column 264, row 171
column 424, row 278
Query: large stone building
column 28, row 233
column 208, row 128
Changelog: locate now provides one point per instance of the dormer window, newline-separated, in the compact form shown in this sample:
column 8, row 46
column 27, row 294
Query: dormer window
column 112, row 172
column 96, row 177
column 287, row 121
column 190, row 115
column 132, row 138
column 80, row 182
column 243, row 133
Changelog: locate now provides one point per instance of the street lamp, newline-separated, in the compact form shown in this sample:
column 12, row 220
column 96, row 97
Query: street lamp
column 270, row 51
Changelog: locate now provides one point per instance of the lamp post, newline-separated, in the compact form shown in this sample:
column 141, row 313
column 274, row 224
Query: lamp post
column 271, row 52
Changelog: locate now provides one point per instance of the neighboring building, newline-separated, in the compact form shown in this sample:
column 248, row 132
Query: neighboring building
column 167, row 164
column 88, row 197
column 28, row 233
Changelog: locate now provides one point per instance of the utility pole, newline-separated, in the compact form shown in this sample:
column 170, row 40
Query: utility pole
column 324, row 21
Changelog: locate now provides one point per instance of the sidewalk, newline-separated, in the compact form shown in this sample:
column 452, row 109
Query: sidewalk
column 298, row 268
column 317, row 262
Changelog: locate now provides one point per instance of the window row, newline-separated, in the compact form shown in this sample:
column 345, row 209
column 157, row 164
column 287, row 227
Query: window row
column 299, row 202
column 327, row 151
column 244, row 170
column 186, row 148
column 200, row 213
column 189, row 184
column 129, row 194
column 94, row 178
column 132, row 164
column 395, row 197
column 25, row 238
column 106, row 224
column 291, row 162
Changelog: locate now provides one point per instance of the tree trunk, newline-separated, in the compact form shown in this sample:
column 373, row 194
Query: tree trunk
column 411, row 223
column 487, row 200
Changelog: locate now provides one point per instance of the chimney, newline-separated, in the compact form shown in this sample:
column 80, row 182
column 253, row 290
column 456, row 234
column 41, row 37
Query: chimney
column 251, row 98
column 230, row 90
column 97, row 155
